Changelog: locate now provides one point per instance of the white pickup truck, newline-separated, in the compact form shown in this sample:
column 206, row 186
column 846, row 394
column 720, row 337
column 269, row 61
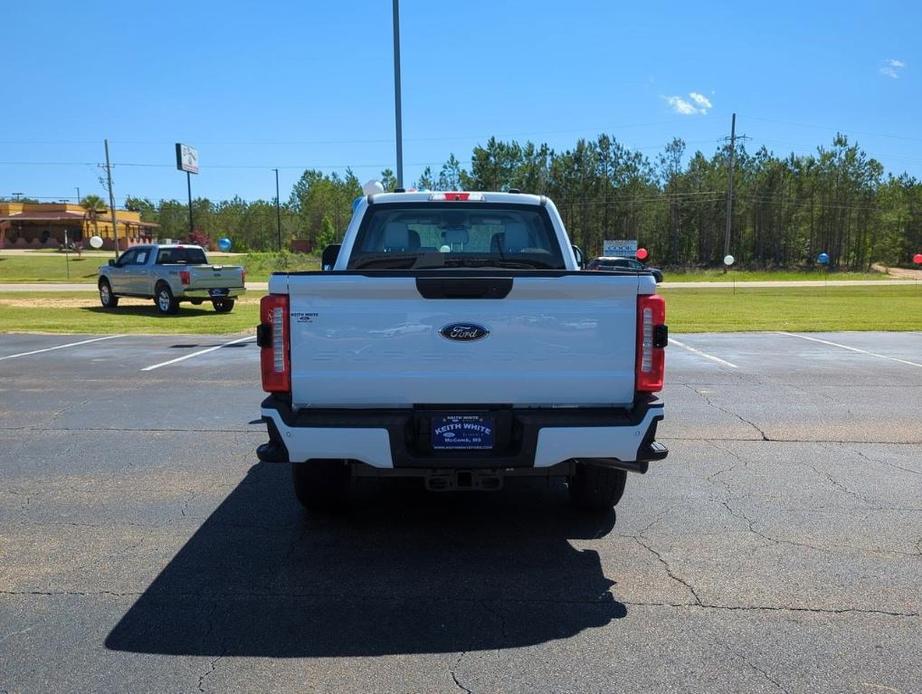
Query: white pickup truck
column 455, row 339
column 169, row 274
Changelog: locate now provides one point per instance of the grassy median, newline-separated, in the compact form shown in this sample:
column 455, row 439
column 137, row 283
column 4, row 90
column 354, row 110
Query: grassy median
column 801, row 309
column 80, row 312
column 41, row 267
column 718, row 275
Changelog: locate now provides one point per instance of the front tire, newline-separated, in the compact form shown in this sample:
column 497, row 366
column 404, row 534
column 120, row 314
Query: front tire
column 223, row 305
column 164, row 300
column 596, row 488
column 322, row 485
column 106, row 297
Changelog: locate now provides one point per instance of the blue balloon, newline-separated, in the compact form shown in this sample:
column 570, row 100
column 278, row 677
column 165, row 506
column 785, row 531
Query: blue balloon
column 224, row 244
column 823, row 258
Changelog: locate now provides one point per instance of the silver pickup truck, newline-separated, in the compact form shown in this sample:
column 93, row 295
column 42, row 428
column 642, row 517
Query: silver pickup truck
column 169, row 274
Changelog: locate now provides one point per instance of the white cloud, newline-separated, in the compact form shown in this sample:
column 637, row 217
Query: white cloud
column 697, row 104
column 701, row 100
column 892, row 68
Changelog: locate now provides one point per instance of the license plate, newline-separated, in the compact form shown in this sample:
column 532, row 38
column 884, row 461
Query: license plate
column 459, row 432
column 218, row 292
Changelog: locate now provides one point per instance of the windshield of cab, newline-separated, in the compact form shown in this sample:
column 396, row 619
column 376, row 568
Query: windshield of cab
column 455, row 235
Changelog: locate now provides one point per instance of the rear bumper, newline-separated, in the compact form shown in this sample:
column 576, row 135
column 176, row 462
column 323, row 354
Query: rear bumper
column 232, row 293
column 536, row 438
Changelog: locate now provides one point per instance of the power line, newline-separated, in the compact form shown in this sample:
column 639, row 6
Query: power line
column 836, row 129
column 363, row 141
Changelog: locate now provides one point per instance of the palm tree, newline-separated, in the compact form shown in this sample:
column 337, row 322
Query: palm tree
column 93, row 204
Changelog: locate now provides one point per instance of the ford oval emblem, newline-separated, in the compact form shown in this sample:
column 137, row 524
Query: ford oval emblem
column 464, row 332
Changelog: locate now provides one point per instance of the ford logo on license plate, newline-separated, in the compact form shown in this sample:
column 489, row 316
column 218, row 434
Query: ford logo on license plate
column 464, row 332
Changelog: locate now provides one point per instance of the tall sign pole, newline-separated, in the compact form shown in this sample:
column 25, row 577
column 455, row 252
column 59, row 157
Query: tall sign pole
column 187, row 160
column 397, row 114
column 111, row 198
column 278, row 210
column 189, row 189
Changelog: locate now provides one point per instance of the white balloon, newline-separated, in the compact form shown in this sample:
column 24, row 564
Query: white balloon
column 373, row 188
column 729, row 260
column 96, row 241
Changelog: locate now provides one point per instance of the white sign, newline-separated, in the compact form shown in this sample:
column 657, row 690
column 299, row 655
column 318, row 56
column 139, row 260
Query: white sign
column 186, row 158
column 621, row 248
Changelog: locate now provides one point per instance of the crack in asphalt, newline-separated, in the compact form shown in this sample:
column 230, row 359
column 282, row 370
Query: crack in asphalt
column 669, row 570
column 185, row 506
column 209, row 619
column 726, row 411
column 839, row 485
column 862, row 454
column 460, row 686
column 204, row 676
column 454, row 676
column 327, row 597
column 761, row 671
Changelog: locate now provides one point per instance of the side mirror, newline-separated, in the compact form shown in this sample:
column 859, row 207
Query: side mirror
column 580, row 260
column 330, row 254
column 112, row 263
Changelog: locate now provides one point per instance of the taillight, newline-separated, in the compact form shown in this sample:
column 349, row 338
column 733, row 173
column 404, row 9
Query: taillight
column 243, row 276
column 273, row 338
column 185, row 277
column 652, row 337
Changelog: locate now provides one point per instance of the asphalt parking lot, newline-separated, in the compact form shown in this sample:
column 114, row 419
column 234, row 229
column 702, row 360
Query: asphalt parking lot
column 778, row 548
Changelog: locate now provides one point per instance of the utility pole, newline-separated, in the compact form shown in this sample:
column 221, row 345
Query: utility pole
column 397, row 114
column 78, row 195
column 111, row 198
column 730, row 185
column 278, row 209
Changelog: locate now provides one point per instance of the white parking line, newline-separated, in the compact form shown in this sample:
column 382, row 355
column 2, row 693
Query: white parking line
column 69, row 344
column 851, row 349
column 199, row 353
column 673, row 341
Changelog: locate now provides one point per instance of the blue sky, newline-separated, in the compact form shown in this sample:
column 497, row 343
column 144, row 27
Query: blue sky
column 309, row 84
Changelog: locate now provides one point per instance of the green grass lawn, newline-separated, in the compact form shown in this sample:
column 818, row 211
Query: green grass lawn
column 766, row 275
column 802, row 309
column 80, row 312
column 50, row 267
column 53, row 267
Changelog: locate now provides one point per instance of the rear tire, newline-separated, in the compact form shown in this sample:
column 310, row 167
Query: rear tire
column 223, row 305
column 322, row 485
column 106, row 297
column 596, row 488
column 163, row 299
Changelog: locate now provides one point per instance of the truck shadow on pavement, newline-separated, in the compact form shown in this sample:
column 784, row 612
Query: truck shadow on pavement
column 405, row 572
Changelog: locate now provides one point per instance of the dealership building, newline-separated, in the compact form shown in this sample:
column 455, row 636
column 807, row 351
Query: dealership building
column 45, row 225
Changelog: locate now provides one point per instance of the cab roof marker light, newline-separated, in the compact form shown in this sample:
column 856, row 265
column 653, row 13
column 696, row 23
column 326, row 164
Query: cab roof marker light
column 454, row 196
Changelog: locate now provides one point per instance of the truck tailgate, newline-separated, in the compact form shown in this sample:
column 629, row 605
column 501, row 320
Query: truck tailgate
column 375, row 341
column 215, row 276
